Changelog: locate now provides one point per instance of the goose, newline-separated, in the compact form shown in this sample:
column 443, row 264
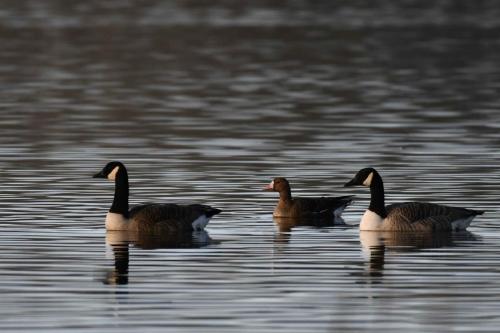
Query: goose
column 407, row 216
column 152, row 218
column 305, row 207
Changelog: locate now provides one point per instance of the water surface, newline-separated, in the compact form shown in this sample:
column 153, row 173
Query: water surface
column 207, row 103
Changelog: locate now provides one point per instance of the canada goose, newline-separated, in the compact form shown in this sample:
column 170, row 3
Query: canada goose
column 153, row 218
column 326, row 207
column 407, row 216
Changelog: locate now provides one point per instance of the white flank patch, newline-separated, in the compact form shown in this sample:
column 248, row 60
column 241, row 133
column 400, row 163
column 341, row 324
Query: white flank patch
column 462, row 224
column 201, row 237
column 112, row 174
column 370, row 221
column 337, row 212
column 116, row 221
column 200, row 223
column 368, row 180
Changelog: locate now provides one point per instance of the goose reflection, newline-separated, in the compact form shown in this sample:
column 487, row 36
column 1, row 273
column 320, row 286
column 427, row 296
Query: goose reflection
column 375, row 244
column 285, row 225
column 120, row 241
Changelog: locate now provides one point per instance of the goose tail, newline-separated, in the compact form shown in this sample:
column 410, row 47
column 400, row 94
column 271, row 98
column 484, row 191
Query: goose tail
column 462, row 224
column 476, row 212
column 346, row 200
column 209, row 212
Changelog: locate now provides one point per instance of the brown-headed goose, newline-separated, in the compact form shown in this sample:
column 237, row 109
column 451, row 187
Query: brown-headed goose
column 407, row 216
column 324, row 207
column 151, row 218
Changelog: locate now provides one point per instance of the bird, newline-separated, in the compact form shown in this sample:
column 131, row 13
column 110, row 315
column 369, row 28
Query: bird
column 294, row 207
column 407, row 216
column 150, row 217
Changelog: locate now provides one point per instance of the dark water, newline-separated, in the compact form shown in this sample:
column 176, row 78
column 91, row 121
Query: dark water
column 206, row 102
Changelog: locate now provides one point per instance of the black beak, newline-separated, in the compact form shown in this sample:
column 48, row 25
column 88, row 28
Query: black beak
column 352, row 182
column 100, row 174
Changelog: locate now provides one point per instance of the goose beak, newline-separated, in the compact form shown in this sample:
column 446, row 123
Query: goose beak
column 350, row 183
column 269, row 187
column 100, row 174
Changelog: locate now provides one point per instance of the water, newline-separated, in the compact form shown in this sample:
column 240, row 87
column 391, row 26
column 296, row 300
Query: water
column 207, row 103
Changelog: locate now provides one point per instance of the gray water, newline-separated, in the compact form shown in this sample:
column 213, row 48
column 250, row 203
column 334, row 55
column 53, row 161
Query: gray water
column 207, row 102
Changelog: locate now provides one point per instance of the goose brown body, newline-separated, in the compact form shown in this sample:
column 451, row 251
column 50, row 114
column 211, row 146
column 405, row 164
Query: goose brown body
column 425, row 216
column 288, row 206
column 150, row 218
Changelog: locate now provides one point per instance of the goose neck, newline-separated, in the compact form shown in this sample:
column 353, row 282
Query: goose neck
column 120, row 201
column 286, row 195
column 377, row 201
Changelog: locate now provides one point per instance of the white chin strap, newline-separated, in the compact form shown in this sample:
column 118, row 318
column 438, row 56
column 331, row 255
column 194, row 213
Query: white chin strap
column 112, row 174
column 368, row 180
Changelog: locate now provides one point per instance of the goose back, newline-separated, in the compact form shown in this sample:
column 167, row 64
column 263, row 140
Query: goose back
column 423, row 216
column 165, row 218
column 311, row 207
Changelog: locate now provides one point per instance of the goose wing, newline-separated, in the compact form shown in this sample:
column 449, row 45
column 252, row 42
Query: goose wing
column 321, row 205
column 427, row 216
column 161, row 218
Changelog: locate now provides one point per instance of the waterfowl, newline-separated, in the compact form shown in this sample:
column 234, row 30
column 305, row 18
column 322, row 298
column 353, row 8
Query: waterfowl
column 407, row 216
column 325, row 207
column 152, row 218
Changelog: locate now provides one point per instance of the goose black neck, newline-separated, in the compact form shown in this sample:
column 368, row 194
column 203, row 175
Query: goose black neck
column 377, row 202
column 120, row 202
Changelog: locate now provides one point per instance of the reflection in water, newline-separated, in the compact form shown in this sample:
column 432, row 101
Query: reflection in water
column 375, row 243
column 285, row 225
column 119, row 275
column 119, row 241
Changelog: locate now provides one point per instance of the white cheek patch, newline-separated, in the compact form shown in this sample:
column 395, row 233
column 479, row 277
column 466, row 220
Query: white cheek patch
column 271, row 185
column 368, row 180
column 112, row 174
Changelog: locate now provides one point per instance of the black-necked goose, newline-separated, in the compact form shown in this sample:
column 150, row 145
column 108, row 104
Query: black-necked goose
column 331, row 207
column 151, row 218
column 407, row 216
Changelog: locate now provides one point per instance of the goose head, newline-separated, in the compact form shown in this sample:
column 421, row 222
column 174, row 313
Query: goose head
column 364, row 177
column 279, row 184
column 110, row 170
